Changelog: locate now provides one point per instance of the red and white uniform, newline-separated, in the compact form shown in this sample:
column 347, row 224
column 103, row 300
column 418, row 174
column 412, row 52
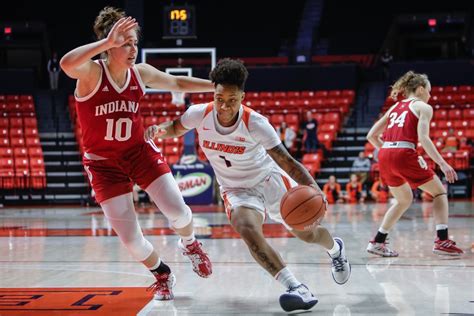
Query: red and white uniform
column 116, row 155
column 398, row 159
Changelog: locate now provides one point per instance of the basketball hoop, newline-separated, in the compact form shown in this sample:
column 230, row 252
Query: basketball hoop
column 177, row 97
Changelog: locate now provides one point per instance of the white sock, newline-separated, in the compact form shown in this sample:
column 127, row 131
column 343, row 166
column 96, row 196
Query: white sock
column 383, row 231
column 335, row 251
column 286, row 278
column 156, row 265
column 441, row 226
column 188, row 240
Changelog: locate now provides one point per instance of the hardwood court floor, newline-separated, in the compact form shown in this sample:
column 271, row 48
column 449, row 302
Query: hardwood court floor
column 67, row 261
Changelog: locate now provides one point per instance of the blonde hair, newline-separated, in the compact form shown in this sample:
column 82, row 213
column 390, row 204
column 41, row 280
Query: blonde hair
column 107, row 17
column 408, row 83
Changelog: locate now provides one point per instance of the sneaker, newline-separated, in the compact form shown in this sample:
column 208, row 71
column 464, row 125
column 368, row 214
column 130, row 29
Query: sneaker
column 341, row 268
column 163, row 287
column 446, row 247
column 297, row 298
column 381, row 249
column 200, row 260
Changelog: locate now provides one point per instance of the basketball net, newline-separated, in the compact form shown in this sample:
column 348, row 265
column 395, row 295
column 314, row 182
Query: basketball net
column 177, row 97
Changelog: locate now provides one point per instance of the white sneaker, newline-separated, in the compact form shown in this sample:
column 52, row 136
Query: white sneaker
column 297, row 298
column 380, row 249
column 341, row 268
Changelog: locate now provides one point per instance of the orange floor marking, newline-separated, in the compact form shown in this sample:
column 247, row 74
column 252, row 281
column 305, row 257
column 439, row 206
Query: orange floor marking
column 95, row 301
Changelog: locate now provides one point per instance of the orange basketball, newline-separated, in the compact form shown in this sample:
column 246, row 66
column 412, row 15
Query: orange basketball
column 302, row 206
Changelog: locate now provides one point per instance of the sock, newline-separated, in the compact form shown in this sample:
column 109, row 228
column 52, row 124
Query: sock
column 286, row 278
column 335, row 251
column 188, row 240
column 442, row 231
column 161, row 268
column 381, row 235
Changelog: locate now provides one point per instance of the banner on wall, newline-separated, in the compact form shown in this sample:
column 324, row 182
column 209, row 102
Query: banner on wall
column 195, row 180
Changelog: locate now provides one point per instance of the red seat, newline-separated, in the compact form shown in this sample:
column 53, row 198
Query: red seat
column 7, row 173
column 172, row 159
column 461, row 159
column 30, row 122
column 328, row 127
column 31, row 132
column 37, row 163
column 312, row 162
column 4, row 122
column 37, row 179
column 35, row 152
column 30, row 141
column 440, row 114
column 16, row 122
column 334, row 93
column 321, row 94
column 331, row 117
column 20, row 152
column 16, row 132
column 17, row 142
column 6, row 152
column 276, row 119
column 468, row 113
column 455, row 114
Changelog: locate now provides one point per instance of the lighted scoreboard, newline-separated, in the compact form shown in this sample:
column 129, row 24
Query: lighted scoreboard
column 179, row 22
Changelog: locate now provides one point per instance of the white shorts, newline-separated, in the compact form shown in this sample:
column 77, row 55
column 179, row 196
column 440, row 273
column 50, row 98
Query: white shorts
column 264, row 197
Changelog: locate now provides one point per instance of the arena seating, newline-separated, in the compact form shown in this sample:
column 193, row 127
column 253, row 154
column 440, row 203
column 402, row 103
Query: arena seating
column 21, row 156
column 329, row 107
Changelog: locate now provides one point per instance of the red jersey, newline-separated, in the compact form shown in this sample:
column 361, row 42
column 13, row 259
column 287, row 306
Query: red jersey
column 109, row 116
column 402, row 124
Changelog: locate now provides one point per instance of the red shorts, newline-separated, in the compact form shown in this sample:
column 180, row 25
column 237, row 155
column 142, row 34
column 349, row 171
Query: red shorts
column 400, row 165
column 114, row 177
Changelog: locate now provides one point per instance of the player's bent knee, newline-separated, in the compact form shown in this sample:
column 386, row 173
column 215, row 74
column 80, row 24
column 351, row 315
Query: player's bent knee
column 181, row 219
column 139, row 248
column 246, row 230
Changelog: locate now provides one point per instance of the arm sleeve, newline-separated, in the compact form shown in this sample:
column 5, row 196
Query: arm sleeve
column 193, row 116
column 263, row 132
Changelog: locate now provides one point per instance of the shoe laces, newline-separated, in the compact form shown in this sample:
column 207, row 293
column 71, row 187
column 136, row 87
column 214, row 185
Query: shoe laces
column 293, row 288
column 160, row 284
column 338, row 263
column 195, row 252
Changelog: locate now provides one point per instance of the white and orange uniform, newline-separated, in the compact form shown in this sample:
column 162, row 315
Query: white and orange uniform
column 246, row 173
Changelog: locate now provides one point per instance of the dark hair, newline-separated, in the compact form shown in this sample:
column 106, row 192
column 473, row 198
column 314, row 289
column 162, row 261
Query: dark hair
column 107, row 17
column 229, row 72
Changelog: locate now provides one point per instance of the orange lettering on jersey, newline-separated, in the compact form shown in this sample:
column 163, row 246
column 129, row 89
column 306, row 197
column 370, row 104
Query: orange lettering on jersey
column 230, row 149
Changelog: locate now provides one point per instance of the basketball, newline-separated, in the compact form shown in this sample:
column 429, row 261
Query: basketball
column 302, row 206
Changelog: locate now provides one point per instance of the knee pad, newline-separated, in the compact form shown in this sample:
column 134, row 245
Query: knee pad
column 139, row 248
column 121, row 215
column 165, row 193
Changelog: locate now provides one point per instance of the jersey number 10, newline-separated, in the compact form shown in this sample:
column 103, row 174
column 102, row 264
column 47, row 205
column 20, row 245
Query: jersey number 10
column 397, row 119
column 122, row 130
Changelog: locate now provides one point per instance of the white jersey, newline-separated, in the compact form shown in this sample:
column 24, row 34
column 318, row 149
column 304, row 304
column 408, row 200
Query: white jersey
column 238, row 153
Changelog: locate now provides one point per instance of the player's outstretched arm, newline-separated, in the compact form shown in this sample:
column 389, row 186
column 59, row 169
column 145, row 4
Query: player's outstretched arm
column 165, row 130
column 78, row 63
column 294, row 169
column 157, row 79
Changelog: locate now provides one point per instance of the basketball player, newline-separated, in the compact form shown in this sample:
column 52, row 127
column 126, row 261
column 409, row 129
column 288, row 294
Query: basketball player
column 252, row 168
column 108, row 93
column 403, row 125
